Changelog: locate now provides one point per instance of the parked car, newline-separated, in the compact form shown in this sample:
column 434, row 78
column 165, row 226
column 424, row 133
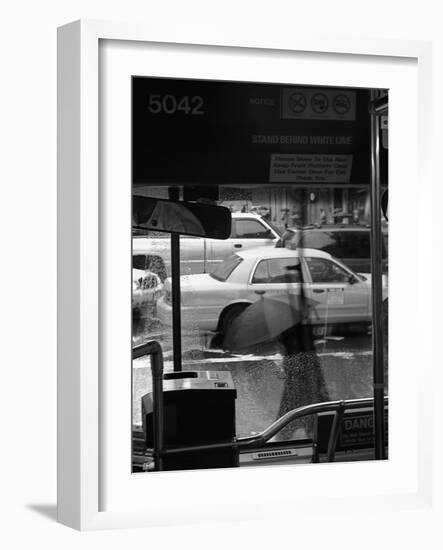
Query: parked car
column 348, row 243
column 199, row 255
column 212, row 301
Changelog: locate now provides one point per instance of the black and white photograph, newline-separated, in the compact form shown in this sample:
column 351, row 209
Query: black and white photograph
column 226, row 330
column 260, row 232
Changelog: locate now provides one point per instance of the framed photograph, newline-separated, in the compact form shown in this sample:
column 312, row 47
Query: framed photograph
column 224, row 244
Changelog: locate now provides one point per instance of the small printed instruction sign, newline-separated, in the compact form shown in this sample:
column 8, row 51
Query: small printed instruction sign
column 318, row 103
column 288, row 168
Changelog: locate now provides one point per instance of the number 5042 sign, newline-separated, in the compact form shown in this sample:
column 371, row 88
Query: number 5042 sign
column 170, row 104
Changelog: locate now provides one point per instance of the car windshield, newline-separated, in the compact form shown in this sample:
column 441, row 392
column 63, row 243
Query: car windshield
column 222, row 271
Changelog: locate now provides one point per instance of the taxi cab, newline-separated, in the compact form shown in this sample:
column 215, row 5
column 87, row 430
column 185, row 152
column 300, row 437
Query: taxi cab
column 212, row 301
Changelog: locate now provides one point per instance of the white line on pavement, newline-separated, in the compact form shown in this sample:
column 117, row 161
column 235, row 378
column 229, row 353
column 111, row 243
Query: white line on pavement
column 143, row 363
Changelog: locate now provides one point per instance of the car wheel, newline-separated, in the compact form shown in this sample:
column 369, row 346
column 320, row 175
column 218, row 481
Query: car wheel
column 227, row 318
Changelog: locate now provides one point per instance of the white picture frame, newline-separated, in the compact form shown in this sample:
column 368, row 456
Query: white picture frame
column 84, row 209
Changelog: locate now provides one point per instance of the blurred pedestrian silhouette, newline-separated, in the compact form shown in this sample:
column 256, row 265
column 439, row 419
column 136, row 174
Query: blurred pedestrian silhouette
column 304, row 380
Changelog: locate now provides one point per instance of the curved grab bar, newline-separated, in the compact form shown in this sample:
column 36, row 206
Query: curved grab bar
column 280, row 423
column 154, row 349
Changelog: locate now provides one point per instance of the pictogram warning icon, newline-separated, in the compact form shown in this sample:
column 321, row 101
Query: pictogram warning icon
column 297, row 102
column 341, row 104
column 319, row 103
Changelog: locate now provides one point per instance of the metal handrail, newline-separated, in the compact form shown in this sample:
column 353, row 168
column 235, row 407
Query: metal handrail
column 300, row 412
column 154, row 349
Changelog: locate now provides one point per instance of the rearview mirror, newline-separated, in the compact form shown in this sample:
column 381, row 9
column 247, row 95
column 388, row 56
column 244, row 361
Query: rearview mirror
column 183, row 218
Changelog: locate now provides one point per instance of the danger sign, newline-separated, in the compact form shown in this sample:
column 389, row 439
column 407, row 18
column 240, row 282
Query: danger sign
column 356, row 430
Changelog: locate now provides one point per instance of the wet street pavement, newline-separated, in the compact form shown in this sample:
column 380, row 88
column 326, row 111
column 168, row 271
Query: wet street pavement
column 259, row 377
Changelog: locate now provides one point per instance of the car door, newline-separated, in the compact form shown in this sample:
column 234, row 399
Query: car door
column 192, row 255
column 216, row 251
column 342, row 297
